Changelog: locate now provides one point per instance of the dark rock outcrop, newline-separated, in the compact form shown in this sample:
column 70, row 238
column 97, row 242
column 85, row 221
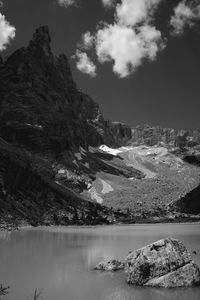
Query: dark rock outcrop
column 165, row 263
column 190, row 203
column 43, row 109
column 110, row 265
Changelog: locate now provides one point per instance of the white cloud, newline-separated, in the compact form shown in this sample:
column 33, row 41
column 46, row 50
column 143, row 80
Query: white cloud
column 131, row 12
column 84, row 64
column 130, row 39
column 7, row 32
column 186, row 13
column 66, row 3
column 108, row 3
column 126, row 48
column 87, row 41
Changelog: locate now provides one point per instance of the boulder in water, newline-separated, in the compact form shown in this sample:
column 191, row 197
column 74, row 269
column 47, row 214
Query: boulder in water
column 165, row 263
column 188, row 275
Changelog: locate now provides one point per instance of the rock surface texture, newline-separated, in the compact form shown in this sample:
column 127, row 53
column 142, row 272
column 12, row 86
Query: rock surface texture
column 165, row 263
column 185, row 276
column 111, row 265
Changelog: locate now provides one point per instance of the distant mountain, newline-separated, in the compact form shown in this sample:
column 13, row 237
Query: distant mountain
column 152, row 135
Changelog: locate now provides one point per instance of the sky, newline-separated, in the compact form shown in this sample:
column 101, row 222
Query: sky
column 138, row 59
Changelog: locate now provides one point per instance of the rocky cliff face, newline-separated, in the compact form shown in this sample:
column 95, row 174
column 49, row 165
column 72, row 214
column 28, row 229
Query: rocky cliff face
column 43, row 109
column 152, row 135
column 46, row 127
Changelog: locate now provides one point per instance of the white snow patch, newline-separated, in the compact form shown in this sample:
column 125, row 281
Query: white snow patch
column 95, row 196
column 35, row 125
column 115, row 151
column 107, row 188
column 109, row 150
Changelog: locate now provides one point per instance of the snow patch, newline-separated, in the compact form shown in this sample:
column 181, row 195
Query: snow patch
column 35, row 125
column 107, row 188
column 109, row 150
column 95, row 196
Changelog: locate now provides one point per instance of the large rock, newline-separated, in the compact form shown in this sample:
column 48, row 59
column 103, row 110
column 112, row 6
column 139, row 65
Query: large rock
column 163, row 263
column 188, row 275
column 111, row 265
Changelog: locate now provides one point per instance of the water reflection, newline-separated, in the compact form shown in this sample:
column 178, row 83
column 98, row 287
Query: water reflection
column 5, row 235
column 118, row 294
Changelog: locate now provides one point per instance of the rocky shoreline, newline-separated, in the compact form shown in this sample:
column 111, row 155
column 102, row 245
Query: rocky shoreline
column 12, row 226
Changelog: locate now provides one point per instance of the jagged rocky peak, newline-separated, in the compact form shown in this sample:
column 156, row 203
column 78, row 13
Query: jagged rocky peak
column 41, row 39
column 43, row 109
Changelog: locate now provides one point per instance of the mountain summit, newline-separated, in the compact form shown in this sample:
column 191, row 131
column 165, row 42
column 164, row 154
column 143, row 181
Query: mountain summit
column 42, row 107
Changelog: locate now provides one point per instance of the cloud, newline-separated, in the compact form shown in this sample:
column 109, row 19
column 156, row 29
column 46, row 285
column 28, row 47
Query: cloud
column 128, row 54
column 87, row 41
column 130, row 39
column 108, row 3
column 131, row 12
column 67, row 3
column 7, row 32
column 84, row 64
column 186, row 14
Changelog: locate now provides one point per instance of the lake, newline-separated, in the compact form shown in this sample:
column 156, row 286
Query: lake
column 59, row 261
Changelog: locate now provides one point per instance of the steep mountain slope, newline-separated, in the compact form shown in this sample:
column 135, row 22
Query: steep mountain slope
column 47, row 126
column 31, row 197
column 43, row 109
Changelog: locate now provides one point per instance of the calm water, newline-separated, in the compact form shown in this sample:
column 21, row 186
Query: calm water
column 59, row 261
